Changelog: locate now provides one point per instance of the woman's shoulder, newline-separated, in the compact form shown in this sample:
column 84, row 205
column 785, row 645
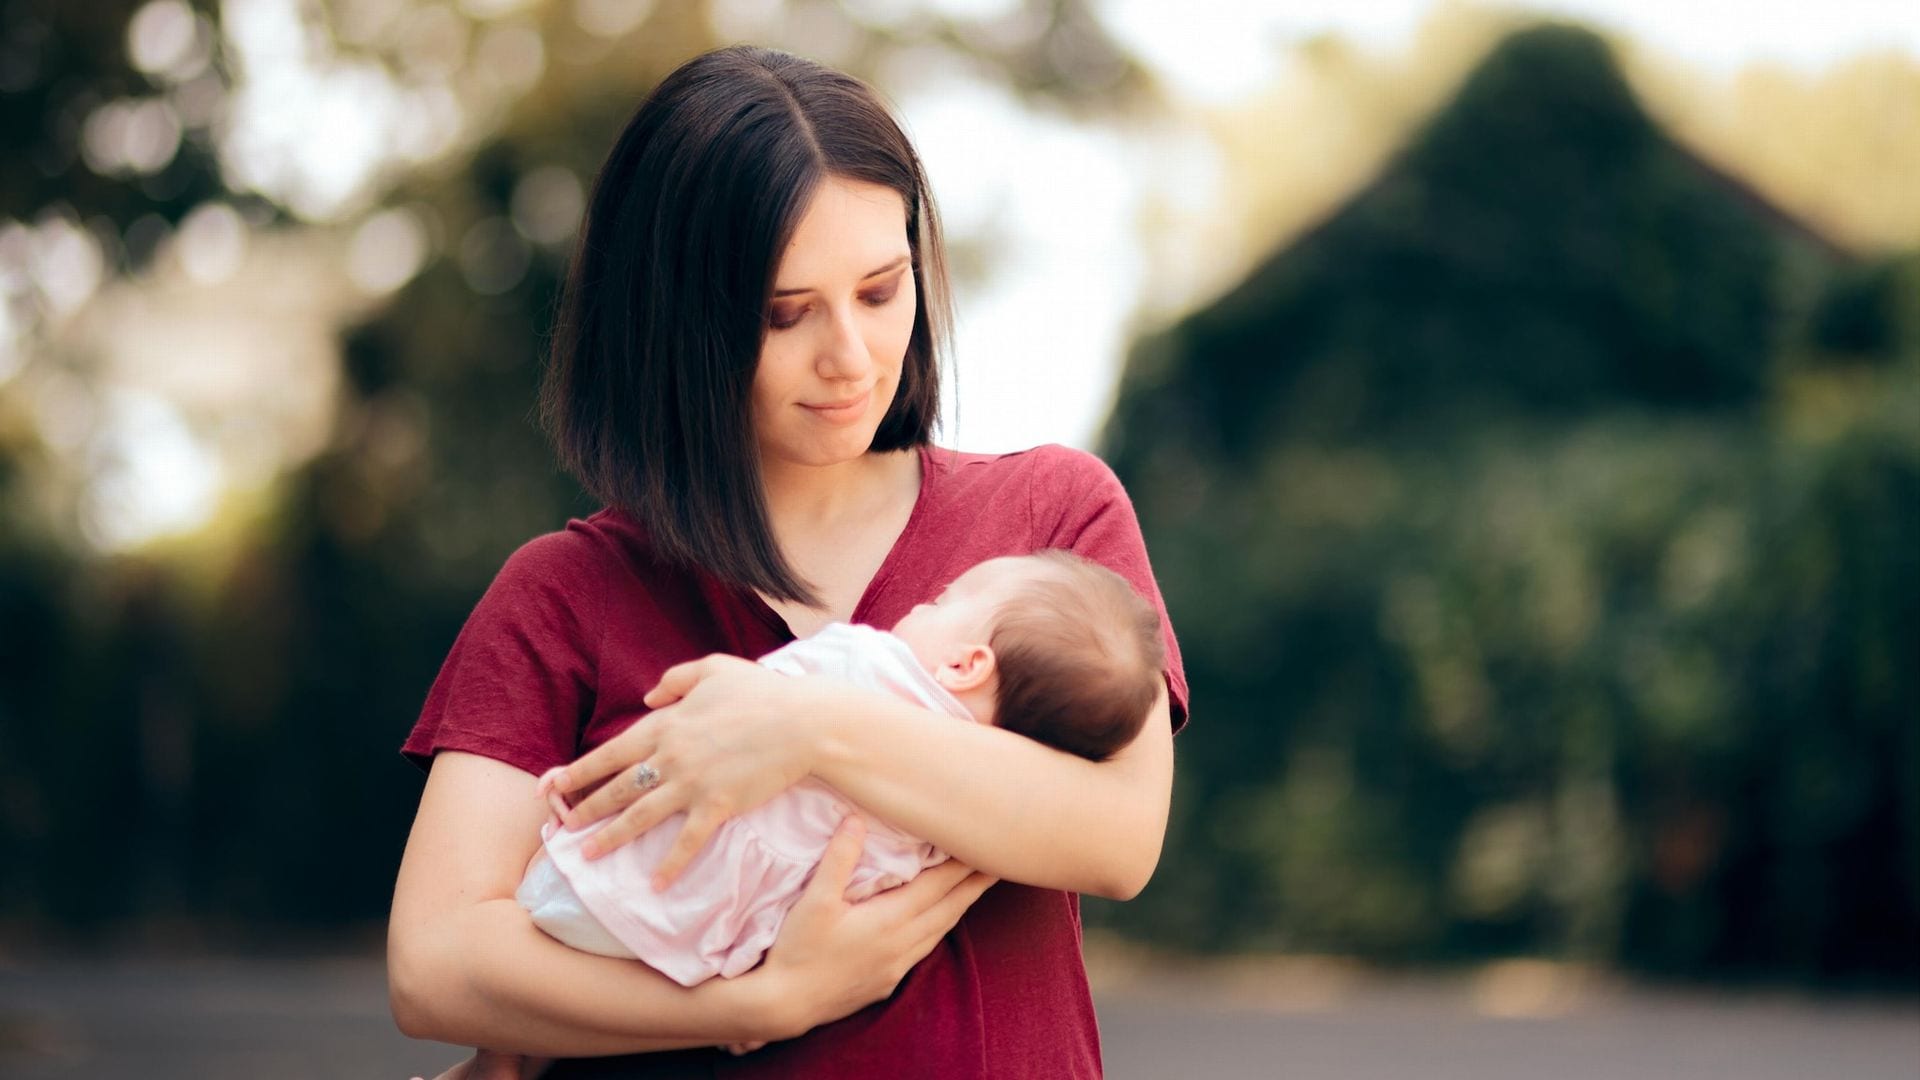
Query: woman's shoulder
column 1051, row 465
column 581, row 555
column 579, row 545
column 1041, row 485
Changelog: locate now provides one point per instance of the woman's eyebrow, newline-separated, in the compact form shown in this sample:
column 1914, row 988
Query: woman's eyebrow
column 894, row 265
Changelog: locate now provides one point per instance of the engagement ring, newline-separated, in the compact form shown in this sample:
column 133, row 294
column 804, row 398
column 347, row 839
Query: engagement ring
column 646, row 777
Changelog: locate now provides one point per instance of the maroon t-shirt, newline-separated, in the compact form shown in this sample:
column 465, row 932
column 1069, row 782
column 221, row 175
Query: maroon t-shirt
column 580, row 624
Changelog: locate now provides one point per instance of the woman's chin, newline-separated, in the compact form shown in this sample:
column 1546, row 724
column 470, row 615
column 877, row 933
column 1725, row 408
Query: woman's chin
column 821, row 451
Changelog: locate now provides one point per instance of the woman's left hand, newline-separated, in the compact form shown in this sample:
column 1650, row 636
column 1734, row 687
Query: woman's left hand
column 724, row 736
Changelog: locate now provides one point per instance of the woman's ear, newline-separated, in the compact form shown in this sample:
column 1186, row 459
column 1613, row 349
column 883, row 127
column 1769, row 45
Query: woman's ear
column 966, row 668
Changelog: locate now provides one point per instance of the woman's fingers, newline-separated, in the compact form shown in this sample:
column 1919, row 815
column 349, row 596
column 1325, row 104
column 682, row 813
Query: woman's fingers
column 843, row 854
column 617, row 794
column 626, row 822
column 926, row 889
column 700, row 827
column 934, row 922
column 680, row 679
column 930, row 905
column 629, row 748
column 674, row 685
column 640, row 811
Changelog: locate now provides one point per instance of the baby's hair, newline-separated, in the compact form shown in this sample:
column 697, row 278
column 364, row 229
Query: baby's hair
column 1079, row 657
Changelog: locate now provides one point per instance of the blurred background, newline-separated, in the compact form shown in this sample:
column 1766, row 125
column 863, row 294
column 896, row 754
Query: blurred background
column 1522, row 407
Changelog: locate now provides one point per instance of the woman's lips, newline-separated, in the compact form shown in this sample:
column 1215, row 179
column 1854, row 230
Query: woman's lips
column 841, row 412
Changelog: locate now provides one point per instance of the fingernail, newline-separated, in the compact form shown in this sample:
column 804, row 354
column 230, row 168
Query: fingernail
column 590, row 849
column 659, row 883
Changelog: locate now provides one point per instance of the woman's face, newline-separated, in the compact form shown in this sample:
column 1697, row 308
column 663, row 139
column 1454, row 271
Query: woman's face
column 841, row 317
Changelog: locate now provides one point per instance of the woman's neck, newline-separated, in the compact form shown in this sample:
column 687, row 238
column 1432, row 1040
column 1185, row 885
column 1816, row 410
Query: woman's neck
column 811, row 498
column 835, row 527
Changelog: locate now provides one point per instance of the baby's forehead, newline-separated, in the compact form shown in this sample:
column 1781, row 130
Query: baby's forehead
column 1003, row 570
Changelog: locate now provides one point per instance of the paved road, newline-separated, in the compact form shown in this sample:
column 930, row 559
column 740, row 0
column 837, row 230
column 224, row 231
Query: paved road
column 292, row 1020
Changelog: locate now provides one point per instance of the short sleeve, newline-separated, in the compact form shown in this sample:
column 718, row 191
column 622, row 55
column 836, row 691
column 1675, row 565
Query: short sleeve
column 1079, row 505
column 519, row 683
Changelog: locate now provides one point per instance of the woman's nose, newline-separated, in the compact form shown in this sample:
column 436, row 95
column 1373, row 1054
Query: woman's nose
column 844, row 354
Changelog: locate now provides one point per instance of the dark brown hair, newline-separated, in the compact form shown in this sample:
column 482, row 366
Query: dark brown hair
column 661, row 317
column 1078, row 655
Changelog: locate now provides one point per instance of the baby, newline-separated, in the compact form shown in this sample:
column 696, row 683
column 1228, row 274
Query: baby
column 1048, row 645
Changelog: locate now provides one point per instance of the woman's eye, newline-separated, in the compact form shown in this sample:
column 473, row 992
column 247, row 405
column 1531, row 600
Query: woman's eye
column 783, row 319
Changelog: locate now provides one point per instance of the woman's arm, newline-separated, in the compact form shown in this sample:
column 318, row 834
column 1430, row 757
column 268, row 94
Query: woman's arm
column 466, row 965
column 1002, row 802
column 728, row 734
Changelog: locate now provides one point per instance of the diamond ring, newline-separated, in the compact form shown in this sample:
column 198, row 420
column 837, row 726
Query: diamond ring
column 646, row 777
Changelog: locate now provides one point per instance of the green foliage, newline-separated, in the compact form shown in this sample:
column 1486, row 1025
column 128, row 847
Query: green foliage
column 1870, row 312
column 1545, row 582
column 1641, row 688
column 57, row 63
column 1539, row 246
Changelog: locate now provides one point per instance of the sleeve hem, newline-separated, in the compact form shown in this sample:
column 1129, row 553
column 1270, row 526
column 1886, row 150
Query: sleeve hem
column 525, row 758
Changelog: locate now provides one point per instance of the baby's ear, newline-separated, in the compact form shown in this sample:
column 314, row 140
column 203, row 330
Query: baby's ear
column 967, row 668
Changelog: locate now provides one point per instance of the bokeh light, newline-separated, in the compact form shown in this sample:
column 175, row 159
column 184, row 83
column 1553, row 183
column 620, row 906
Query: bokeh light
column 388, row 249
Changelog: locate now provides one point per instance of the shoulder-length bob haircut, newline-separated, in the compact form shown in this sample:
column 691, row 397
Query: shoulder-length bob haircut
column 664, row 308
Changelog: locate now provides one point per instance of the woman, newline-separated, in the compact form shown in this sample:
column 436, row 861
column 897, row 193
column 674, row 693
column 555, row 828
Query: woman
column 745, row 373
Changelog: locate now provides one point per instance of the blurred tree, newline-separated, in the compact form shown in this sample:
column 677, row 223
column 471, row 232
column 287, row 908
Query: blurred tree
column 1547, row 581
column 59, row 65
column 1867, row 312
column 1539, row 246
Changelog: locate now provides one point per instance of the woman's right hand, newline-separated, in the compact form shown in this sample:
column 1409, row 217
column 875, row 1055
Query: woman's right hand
column 833, row 958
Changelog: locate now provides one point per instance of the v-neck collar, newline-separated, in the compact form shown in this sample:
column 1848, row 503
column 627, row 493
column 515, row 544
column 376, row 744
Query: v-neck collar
column 765, row 612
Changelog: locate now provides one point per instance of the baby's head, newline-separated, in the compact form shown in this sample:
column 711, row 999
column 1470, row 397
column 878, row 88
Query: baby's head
column 1050, row 645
